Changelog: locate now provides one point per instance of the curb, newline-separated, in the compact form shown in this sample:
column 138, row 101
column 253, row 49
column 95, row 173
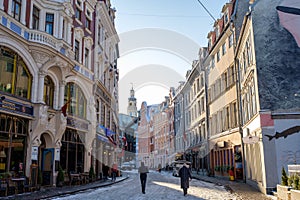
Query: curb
column 42, row 194
column 83, row 189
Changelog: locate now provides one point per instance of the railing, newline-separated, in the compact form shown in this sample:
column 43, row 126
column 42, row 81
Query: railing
column 42, row 37
column 35, row 35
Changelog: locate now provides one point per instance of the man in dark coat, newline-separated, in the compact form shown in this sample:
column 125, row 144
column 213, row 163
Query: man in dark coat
column 185, row 176
column 143, row 170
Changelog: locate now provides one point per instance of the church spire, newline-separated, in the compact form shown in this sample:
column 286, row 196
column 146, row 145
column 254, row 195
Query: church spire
column 131, row 108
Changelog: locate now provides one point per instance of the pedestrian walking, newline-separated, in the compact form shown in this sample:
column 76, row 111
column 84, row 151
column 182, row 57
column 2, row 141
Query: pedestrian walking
column 143, row 170
column 114, row 172
column 185, row 177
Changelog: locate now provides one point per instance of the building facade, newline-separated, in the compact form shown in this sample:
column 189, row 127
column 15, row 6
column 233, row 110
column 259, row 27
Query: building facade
column 48, row 74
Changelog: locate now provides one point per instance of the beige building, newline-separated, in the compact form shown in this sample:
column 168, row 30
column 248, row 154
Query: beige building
column 224, row 134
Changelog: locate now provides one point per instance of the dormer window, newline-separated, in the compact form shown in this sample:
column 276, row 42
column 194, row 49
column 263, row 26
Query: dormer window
column 217, row 31
column 226, row 20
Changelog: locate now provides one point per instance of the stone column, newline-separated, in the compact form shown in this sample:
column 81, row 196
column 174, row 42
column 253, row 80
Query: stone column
column 1, row 5
column 69, row 33
column 60, row 26
column 23, row 12
column 61, row 93
column 42, row 75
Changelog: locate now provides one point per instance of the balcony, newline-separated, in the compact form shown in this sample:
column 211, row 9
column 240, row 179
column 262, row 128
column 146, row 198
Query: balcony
column 36, row 36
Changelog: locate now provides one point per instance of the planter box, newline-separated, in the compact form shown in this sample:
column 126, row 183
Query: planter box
column 295, row 194
column 283, row 192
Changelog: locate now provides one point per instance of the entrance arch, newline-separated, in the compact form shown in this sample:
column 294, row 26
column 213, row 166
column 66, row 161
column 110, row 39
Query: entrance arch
column 46, row 159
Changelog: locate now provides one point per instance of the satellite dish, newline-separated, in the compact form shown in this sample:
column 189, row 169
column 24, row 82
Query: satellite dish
column 250, row 139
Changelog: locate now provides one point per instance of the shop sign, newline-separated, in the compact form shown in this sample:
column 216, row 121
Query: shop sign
column 34, row 153
column 57, row 154
column 16, row 107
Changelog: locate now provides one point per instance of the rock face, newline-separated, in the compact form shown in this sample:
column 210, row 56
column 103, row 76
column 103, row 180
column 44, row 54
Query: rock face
column 277, row 59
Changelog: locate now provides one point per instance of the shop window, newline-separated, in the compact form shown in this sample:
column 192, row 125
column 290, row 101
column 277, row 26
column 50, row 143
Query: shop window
column 77, row 105
column 72, row 151
column 14, row 75
column 13, row 137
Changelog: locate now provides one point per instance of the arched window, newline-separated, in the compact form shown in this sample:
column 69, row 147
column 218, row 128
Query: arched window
column 77, row 105
column 14, row 75
column 48, row 91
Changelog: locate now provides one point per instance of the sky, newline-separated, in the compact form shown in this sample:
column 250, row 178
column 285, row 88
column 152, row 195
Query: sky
column 159, row 40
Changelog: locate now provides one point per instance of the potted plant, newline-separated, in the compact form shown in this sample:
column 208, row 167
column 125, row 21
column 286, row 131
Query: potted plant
column 39, row 179
column 283, row 190
column 91, row 173
column 60, row 177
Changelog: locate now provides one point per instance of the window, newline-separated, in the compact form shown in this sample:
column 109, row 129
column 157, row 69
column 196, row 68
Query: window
column 213, row 61
column 76, row 50
column 72, row 151
column 86, row 57
column 78, row 10
column 88, row 23
column 226, row 17
column 49, row 23
column 230, row 40
column 224, row 49
column 16, row 9
column 48, row 91
column 35, row 18
column 88, row 20
column 77, row 107
column 78, row 13
column 14, row 77
column 218, row 56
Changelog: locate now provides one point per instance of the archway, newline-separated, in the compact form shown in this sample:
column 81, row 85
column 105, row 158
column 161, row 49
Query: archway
column 46, row 159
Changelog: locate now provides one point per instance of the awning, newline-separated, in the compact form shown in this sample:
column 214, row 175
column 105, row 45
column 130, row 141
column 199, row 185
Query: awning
column 102, row 138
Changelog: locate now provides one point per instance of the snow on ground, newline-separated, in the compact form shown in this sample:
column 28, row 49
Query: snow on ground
column 159, row 186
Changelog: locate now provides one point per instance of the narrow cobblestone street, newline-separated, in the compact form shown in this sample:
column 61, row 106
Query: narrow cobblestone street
column 159, row 186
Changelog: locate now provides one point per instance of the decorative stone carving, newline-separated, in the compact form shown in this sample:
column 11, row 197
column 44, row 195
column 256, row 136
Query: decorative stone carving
column 69, row 9
column 88, row 42
column 58, row 143
column 40, row 57
column 43, row 114
column 36, row 141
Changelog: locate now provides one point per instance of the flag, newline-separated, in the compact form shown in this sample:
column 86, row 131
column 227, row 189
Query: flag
column 124, row 141
column 111, row 139
column 64, row 108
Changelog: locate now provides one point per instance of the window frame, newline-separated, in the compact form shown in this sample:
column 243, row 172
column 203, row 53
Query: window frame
column 13, row 9
column 35, row 18
column 51, row 23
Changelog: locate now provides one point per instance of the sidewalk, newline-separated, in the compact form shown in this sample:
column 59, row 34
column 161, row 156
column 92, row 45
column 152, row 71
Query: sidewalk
column 51, row 192
column 241, row 189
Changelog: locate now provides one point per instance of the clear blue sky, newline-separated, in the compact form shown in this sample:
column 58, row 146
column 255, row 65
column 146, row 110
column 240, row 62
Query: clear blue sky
column 159, row 39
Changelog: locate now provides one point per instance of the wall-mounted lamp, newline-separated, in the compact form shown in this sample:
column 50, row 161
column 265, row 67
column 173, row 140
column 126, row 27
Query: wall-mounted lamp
column 2, row 153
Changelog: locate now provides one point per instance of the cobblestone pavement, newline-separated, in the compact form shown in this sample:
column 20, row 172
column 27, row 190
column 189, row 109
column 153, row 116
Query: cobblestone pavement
column 50, row 192
column 241, row 190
